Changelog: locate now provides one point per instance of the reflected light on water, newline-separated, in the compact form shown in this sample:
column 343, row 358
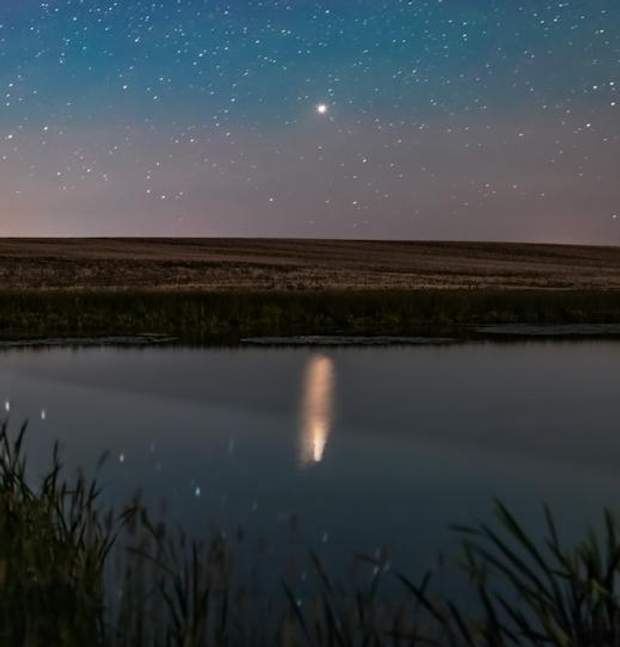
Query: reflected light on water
column 316, row 409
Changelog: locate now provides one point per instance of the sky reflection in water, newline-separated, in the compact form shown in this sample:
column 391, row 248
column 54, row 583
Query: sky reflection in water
column 364, row 447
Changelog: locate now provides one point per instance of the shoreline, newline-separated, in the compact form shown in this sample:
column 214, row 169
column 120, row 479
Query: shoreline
column 499, row 335
column 328, row 317
column 221, row 291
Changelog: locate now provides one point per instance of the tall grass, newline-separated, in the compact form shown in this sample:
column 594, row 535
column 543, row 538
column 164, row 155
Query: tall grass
column 542, row 595
column 75, row 573
column 229, row 316
column 53, row 547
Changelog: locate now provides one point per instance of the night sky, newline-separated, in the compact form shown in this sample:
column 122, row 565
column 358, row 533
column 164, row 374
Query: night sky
column 423, row 119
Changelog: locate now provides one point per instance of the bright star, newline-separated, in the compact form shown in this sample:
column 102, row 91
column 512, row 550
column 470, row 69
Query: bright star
column 322, row 108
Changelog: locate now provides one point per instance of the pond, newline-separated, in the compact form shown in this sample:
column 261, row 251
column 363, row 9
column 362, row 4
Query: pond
column 342, row 450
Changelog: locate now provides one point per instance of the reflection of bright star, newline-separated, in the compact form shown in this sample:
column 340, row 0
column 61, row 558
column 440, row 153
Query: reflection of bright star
column 322, row 108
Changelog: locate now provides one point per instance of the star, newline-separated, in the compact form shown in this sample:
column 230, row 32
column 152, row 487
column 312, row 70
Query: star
column 322, row 108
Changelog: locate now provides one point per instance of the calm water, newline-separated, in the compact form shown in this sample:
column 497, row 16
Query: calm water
column 351, row 448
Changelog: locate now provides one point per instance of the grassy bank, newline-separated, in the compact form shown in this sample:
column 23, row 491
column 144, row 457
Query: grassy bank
column 229, row 316
column 73, row 573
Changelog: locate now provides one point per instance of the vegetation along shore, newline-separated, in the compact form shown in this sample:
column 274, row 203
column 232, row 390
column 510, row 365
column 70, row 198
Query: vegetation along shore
column 222, row 290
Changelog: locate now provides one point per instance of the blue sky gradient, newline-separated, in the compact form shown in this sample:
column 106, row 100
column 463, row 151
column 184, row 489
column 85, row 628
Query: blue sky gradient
column 445, row 119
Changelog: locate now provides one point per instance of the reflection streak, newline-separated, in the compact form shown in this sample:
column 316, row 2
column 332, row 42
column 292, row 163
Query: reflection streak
column 316, row 409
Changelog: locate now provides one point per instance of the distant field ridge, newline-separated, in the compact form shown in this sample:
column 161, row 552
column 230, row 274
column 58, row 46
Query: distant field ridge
column 215, row 264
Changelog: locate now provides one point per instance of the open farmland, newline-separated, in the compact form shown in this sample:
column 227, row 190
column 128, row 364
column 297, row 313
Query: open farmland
column 266, row 264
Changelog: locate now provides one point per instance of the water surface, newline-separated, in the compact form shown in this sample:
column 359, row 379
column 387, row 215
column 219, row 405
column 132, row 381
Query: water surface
column 343, row 450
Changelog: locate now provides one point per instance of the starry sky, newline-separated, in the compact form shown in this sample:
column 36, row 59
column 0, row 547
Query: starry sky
column 409, row 119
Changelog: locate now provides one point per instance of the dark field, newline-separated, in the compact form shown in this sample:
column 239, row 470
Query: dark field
column 262, row 264
column 215, row 290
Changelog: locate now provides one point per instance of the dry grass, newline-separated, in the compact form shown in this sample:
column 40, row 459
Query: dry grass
column 270, row 264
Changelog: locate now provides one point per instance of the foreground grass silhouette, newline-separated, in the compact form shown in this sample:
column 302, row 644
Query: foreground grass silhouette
column 74, row 573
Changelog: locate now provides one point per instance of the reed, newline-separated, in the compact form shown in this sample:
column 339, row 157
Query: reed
column 73, row 572
column 229, row 316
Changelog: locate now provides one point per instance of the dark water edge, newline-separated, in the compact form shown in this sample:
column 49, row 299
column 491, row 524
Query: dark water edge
column 229, row 317
column 85, row 342
column 324, row 341
column 497, row 333
column 547, row 331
